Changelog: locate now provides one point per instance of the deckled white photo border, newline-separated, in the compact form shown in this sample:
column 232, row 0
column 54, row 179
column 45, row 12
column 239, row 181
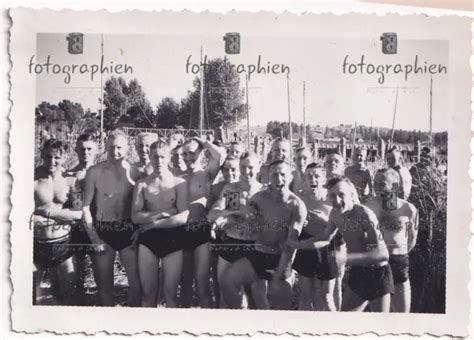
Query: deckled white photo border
column 25, row 317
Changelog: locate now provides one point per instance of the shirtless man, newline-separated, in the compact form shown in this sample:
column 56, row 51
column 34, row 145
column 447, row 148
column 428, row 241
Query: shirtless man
column 86, row 150
column 235, row 150
column 142, row 145
column 302, row 158
column 199, row 182
column 109, row 187
column 281, row 215
column 280, row 150
column 52, row 223
column 231, row 217
column 394, row 161
column 315, row 279
column 230, row 174
column 160, row 208
column 177, row 164
column 370, row 277
column 334, row 165
column 399, row 225
column 360, row 175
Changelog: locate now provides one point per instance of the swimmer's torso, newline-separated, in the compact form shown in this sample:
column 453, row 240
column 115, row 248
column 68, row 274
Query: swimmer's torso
column 273, row 223
column 113, row 192
column 318, row 214
column 160, row 195
column 199, row 189
column 51, row 193
column 238, row 227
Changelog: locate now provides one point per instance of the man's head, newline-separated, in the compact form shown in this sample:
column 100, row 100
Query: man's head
column 177, row 159
column 359, row 156
column 393, row 157
column 386, row 180
column 86, row 148
column 249, row 167
column 425, row 156
column 280, row 150
column 280, row 176
column 54, row 154
column 302, row 158
column 315, row 177
column 334, row 165
column 342, row 193
column 235, row 150
column 192, row 151
column 117, row 145
column 143, row 143
column 160, row 156
column 230, row 170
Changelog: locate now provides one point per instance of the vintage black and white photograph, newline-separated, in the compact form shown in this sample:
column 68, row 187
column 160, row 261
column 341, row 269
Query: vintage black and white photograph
column 238, row 168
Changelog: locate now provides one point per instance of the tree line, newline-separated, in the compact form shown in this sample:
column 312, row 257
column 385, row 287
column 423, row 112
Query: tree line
column 126, row 103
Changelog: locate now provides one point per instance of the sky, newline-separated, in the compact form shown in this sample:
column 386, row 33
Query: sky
column 332, row 97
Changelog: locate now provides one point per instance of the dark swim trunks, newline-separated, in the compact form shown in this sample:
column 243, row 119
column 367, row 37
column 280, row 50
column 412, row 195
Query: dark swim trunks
column 312, row 262
column 80, row 241
column 232, row 249
column 400, row 265
column 261, row 262
column 117, row 234
column 196, row 234
column 163, row 242
column 370, row 283
column 52, row 252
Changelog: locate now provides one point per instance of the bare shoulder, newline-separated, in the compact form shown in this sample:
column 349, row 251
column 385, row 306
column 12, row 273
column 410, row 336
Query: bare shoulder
column 97, row 169
column 178, row 180
column 409, row 207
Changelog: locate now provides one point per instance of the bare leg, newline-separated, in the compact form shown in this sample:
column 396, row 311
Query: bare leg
column 37, row 292
column 352, row 302
column 104, row 275
column 338, row 292
column 202, row 257
column 148, row 271
column 305, row 285
column 327, row 295
column 187, row 280
column 401, row 300
column 259, row 293
column 172, row 265
column 239, row 273
column 381, row 304
column 280, row 291
column 215, row 278
column 129, row 258
column 67, row 281
column 80, row 268
column 160, row 296
column 222, row 266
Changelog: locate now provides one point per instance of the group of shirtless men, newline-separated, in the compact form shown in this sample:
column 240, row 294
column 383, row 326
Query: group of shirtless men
column 196, row 210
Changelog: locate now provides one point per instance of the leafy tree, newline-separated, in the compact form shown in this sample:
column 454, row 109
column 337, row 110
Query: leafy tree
column 224, row 100
column 129, row 100
column 167, row 113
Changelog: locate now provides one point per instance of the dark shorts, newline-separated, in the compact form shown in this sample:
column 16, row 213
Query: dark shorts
column 312, row 263
column 196, row 234
column 117, row 234
column 80, row 241
column 163, row 242
column 370, row 283
column 261, row 262
column 400, row 265
column 232, row 249
column 52, row 252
